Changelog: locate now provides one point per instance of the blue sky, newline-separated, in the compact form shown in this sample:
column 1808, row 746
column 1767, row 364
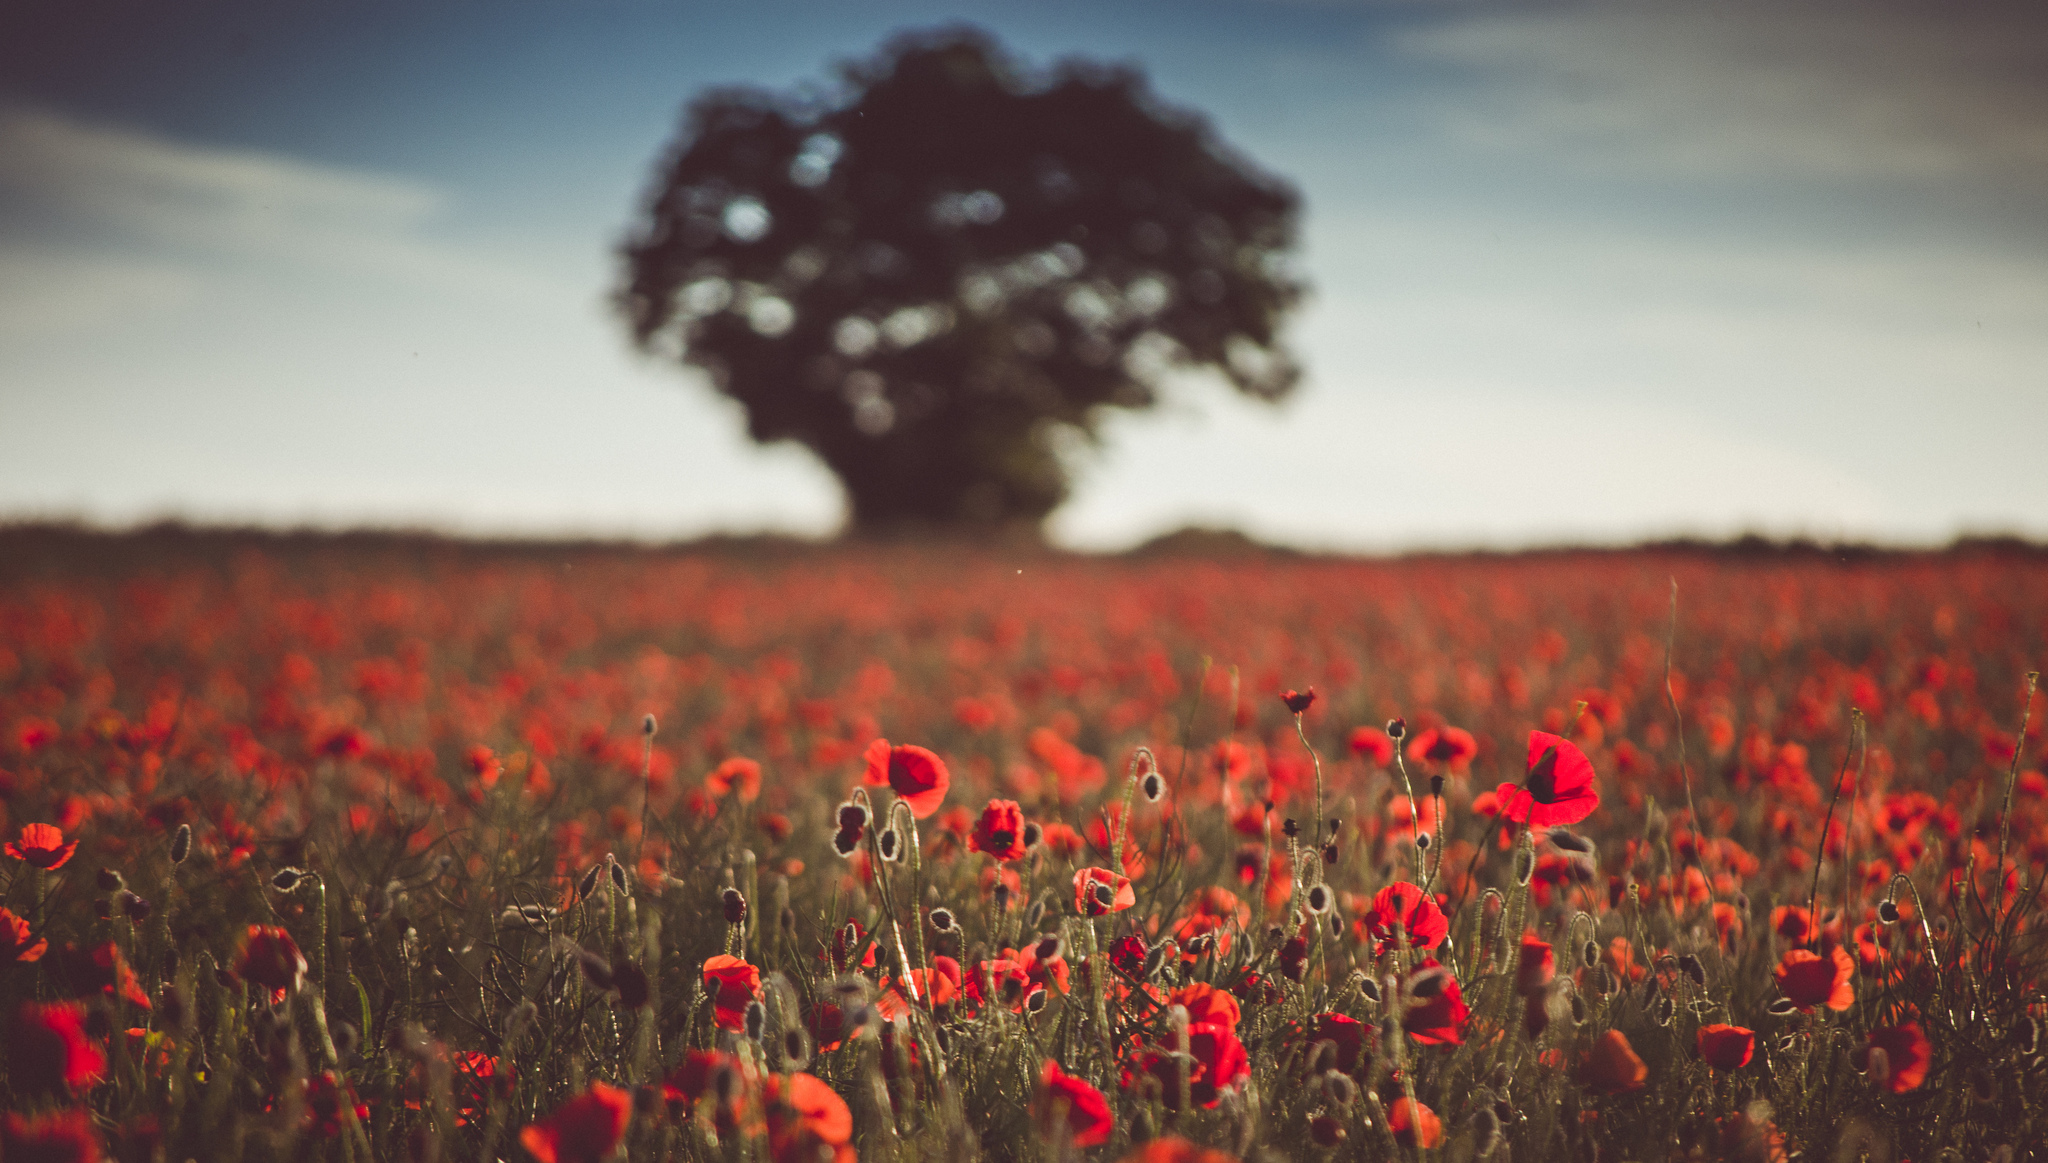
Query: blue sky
column 1582, row 271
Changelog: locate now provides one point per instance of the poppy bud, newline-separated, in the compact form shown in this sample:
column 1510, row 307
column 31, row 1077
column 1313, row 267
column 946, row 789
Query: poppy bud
column 1422, row 841
column 596, row 969
column 1502, row 1077
column 1888, row 913
column 1396, row 728
column 136, row 908
column 1436, row 786
column 735, row 906
column 1049, row 947
column 796, row 1049
column 588, row 884
column 1299, row 701
column 1033, row 834
column 1370, row 988
column 845, row 842
column 647, row 725
column 1786, row 1044
column 1330, row 853
column 1155, row 958
column 1000, row 894
column 891, row 844
column 1578, row 1010
column 181, row 844
column 1485, row 1132
column 1693, row 969
column 1665, row 1011
column 1319, row 899
column 1199, row 944
column 1570, row 841
column 1339, row 1088
column 1034, row 1002
column 1290, row 828
column 109, row 880
column 852, row 817
column 1590, row 955
column 756, row 1019
column 1035, row 915
column 618, row 875
column 286, row 879
column 1152, row 786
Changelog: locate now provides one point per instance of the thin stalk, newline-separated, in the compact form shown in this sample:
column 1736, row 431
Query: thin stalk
column 1858, row 732
column 1699, row 831
column 2011, row 776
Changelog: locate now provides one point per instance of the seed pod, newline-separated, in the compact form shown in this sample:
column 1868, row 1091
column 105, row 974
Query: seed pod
column 648, row 725
column 181, row 844
column 891, row 844
column 1290, row 828
column 1578, row 1009
column 1153, row 787
column 1035, row 915
column 942, row 920
column 1436, row 787
column 588, row 884
column 796, row 1049
column 1104, row 898
column 1319, row 899
column 286, row 879
column 735, row 906
column 1034, row 1002
column 1422, row 841
column 1692, row 968
column 845, row 842
column 852, row 817
column 618, row 874
column 1396, row 728
column 1570, row 841
column 1155, row 959
column 1590, row 955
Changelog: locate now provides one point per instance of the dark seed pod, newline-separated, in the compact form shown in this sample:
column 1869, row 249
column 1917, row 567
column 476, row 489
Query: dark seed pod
column 1590, row 955
column 756, row 1019
column 109, row 880
column 1199, row 944
column 1330, row 853
column 1034, row 1002
column 181, row 844
column 1033, row 834
column 136, row 908
column 588, row 884
column 1888, row 912
column 1049, row 948
column 618, row 875
column 1691, row 967
column 1570, row 841
column 734, row 905
column 891, row 844
column 286, row 879
column 1436, row 787
column 1780, row 1007
column 1422, row 841
column 1153, row 787
column 1370, row 988
column 648, row 725
column 1578, row 1010
column 942, row 920
column 1000, row 895
column 1396, row 728
column 1320, row 899
column 796, row 1049
column 1290, row 828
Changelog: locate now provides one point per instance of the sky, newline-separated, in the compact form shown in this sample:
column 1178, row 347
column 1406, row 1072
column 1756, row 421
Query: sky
column 1582, row 272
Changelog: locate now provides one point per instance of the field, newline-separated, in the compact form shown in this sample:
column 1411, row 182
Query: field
column 357, row 849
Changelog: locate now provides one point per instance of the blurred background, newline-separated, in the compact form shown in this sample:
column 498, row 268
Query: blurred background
column 1579, row 272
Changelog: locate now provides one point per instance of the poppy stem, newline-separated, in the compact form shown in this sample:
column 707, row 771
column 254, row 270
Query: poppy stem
column 1857, row 732
column 2012, row 776
column 1414, row 817
column 1671, row 696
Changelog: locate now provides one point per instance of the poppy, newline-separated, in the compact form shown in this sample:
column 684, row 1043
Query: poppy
column 1726, row 1047
column 999, row 832
column 49, row 1048
column 1350, row 1036
column 1206, row 1005
column 15, row 945
column 1174, row 1149
column 41, row 846
column 583, row 1130
column 1002, row 977
column 806, row 1115
column 1807, row 979
column 735, row 775
column 1438, row 1019
column 1611, row 1066
column 1906, row 1057
column 692, row 1077
column 1088, row 1117
column 1558, row 788
column 271, row 959
column 1215, row 1061
column 62, row 1137
column 1407, row 908
column 1299, row 701
column 732, row 984
column 1371, row 744
column 1414, row 1125
column 1127, row 956
column 1450, row 746
column 1537, row 966
column 325, row 1113
column 913, row 773
column 846, row 939
column 102, row 970
column 1098, row 891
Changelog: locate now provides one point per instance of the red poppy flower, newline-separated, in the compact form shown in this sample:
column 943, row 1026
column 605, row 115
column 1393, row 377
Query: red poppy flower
column 102, row 970
column 1062, row 841
column 41, row 846
column 1174, row 1149
column 847, row 938
column 732, row 983
column 998, row 977
column 1088, row 1117
column 1807, row 979
column 913, row 773
column 325, row 1116
column 1906, row 1057
column 1090, row 902
column 1206, row 1005
column 582, row 1130
column 1537, row 966
column 1371, row 744
column 805, row 1116
column 48, row 1049
column 1299, row 701
column 1414, row 1125
column 271, row 959
column 1611, row 1066
column 1349, row 1035
column 735, row 775
column 1558, row 789
column 15, row 945
column 1402, row 905
column 692, row 1076
column 61, row 1137
column 1450, row 746
column 1439, row 1019
column 1215, row 1061
column 1726, row 1047
column 999, row 832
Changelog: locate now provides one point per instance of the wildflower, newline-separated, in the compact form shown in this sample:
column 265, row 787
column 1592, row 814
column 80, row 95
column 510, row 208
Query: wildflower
column 732, row 985
column 49, row 1049
column 1611, row 1066
column 1214, row 1062
column 1347, row 1035
column 1906, row 1057
column 1000, row 831
column 61, row 1137
column 1414, row 1125
column 41, row 846
column 1726, row 1047
column 1402, row 906
column 15, row 945
column 806, row 1119
column 914, row 773
column 1536, row 969
column 271, row 959
column 1098, row 891
column 1373, row 745
column 584, row 1129
column 1088, row 1118
column 1558, row 788
column 735, row 775
column 1438, row 1019
column 1807, row 979
column 1299, row 701
column 733, row 904
column 1450, row 746
column 1206, row 1005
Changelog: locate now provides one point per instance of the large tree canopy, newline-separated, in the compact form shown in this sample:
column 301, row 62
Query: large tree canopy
column 928, row 275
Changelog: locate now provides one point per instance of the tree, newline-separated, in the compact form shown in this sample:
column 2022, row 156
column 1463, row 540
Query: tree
column 940, row 275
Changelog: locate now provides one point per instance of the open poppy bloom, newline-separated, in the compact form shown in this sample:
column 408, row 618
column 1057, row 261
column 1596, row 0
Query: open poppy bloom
column 582, row 1130
column 1214, row 1062
column 1414, row 1125
column 1438, row 1019
column 1098, row 892
column 271, row 959
column 999, row 832
column 1453, row 747
column 1405, row 907
column 913, row 773
column 1558, row 789
column 735, row 775
column 806, row 1117
column 732, row 983
column 1611, row 1066
column 1807, row 979
column 1906, row 1055
column 1351, row 1037
column 41, row 846
column 49, row 1049
column 1207, row 1005
column 1088, row 1118
column 15, row 945
column 1726, row 1047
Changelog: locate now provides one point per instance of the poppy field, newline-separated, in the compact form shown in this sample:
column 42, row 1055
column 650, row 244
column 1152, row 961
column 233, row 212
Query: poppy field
column 368, row 849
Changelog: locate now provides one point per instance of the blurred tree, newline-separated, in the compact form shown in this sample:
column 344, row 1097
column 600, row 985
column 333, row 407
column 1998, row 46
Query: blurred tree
column 939, row 276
